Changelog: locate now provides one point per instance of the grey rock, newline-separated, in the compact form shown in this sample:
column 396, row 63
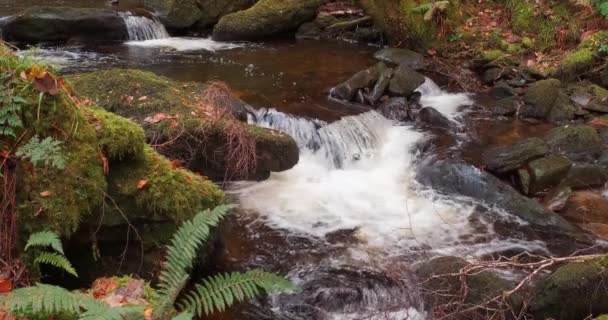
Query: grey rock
column 556, row 199
column 405, row 80
column 502, row 90
column 539, row 98
column 506, row 107
column 586, row 176
column 434, row 118
column 363, row 79
column 409, row 58
column 577, row 142
column 562, row 110
column 547, row 172
column 381, row 86
column 502, row 159
column 395, row 109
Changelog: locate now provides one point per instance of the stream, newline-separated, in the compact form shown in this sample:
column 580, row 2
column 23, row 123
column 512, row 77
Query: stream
column 350, row 220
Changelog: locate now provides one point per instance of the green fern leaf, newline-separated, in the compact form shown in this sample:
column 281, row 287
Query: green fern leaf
column 221, row 291
column 184, row 316
column 40, row 299
column 45, row 239
column 57, row 261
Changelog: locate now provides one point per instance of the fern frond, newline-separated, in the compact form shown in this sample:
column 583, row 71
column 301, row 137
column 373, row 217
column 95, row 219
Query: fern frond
column 221, row 291
column 102, row 311
column 57, row 261
column 184, row 316
column 41, row 299
column 181, row 254
column 45, row 239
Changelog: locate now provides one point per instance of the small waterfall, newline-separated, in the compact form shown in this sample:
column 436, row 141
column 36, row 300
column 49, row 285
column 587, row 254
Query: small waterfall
column 142, row 28
column 339, row 143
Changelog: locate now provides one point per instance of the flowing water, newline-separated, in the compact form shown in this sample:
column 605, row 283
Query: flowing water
column 349, row 221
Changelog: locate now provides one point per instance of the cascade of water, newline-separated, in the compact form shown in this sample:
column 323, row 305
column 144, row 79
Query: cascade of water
column 143, row 28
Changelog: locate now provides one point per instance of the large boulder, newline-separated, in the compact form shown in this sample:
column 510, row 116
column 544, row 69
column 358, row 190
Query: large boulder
column 398, row 56
column 176, row 13
column 577, row 142
column 61, row 24
column 586, row 176
column 574, row 291
column 462, row 179
column 502, row 159
column 266, row 18
column 167, row 110
column 547, row 172
column 213, row 10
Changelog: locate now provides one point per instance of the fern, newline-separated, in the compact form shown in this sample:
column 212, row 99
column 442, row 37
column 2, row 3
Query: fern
column 56, row 260
column 423, row 8
column 45, row 239
column 43, row 299
column 184, row 316
column 47, row 151
column 10, row 107
column 220, row 291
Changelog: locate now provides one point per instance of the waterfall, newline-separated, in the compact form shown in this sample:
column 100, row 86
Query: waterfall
column 142, row 28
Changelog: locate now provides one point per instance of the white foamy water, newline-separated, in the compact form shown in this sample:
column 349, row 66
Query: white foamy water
column 144, row 28
column 186, row 44
column 358, row 173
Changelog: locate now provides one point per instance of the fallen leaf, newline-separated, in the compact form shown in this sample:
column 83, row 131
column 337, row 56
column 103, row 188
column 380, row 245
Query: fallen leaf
column 5, row 153
column 158, row 118
column 176, row 164
column 143, row 98
column 129, row 99
column 189, row 179
column 432, row 52
column 48, row 84
column 45, row 193
column 142, row 183
column 173, row 124
column 23, row 75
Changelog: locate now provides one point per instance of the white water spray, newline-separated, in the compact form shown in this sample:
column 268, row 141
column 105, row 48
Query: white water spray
column 143, row 28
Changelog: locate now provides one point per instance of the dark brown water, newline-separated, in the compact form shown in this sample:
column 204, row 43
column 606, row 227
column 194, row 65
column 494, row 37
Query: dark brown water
column 10, row 7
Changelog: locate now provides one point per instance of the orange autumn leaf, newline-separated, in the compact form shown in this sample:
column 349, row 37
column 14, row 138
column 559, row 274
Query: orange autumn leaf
column 37, row 72
column 48, row 84
column 142, row 183
column 176, row 164
column 189, row 179
column 45, row 193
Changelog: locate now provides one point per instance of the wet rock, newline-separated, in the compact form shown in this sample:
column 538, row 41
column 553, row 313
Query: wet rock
column 523, row 180
column 547, row 172
column 577, row 142
column 491, row 75
column 176, row 14
column 395, row 109
column 265, row 19
column 586, row 176
column 409, row 58
column 440, row 275
column 562, row 110
column 60, row 24
column 502, row 90
column 586, row 207
column 433, row 118
column 603, row 159
column 213, row 10
column 539, row 98
column 600, row 106
column 556, row 199
column 405, row 81
column 363, row 79
column 462, row 179
column 582, row 285
column 381, row 86
column 598, row 229
column 502, row 159
column 309, row 30
column 506, row 107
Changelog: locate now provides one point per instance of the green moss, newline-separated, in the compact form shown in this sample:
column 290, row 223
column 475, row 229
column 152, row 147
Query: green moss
column 514, row 48
column 118, row 137
column 522, row 15
column 169, row 192
column 576, row 61
column 527, row 42
column 491, row 55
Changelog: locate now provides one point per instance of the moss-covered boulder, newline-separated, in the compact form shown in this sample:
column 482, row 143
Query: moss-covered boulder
column 540, row 97
column 62, row 24
column 176, row 13
column 577, row 142
column 547, row 172
column 178, row 117
column 501, row 159
column 213, row 10
column 574, row 291
column 410, row 22
column 266, row 18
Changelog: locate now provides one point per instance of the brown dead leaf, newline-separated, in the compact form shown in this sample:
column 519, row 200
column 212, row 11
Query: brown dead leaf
column 45, row 193
column 142, row 98
column 142, row 183
column 48, row 84
column 158, row 118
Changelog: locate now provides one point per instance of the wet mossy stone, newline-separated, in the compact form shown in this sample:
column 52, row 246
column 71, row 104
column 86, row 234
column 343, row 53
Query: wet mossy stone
column 577, row 142
column 586, row 176
column 176, row 14
column 574, row 291
column 502, row 90
column 539, row 98
column 563, row 109
column 119, row 138
column 440, row 274
column 547, row 172
column 506, row 106
column 309, row 30
column 575, row 62
column 405, row 80
column 381, row 85
column 60, row 24
column 213, row 10
column 433, row 118
column 502, row 159
column 266, row 18
column 398, row 56
column 347, row 90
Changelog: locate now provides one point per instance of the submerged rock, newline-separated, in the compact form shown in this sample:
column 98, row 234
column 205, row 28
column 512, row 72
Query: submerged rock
column 409, row 58
column 506, row 106
column 577, row 142
column 347, row 90
column 61, row 24
column 502, row 159
column 405, row 81
column 266, row 18
column 586, row 176
column 465, row 180
column 581, row 285
column 198, row 142
column 433, row 118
